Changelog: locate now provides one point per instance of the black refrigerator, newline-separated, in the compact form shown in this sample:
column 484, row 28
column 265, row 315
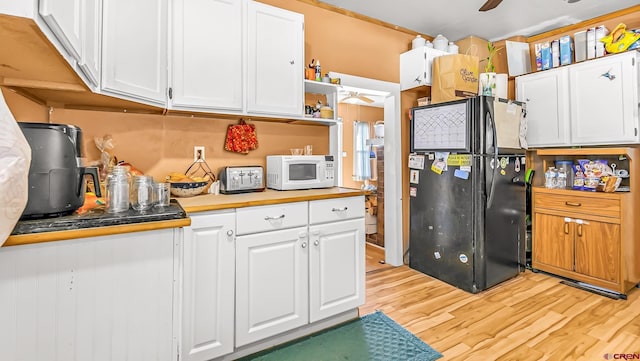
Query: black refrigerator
column 467, row 191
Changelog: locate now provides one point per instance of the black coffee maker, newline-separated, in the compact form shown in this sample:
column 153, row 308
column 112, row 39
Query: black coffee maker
column 56, row 174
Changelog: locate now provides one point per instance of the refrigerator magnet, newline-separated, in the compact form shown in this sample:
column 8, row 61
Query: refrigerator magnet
column 503, row 162
column 503, row 172
column 466, row 168
column 459, row 173
column 414, row 176
column 413, row 191
column 416, row 161
column 516, row 167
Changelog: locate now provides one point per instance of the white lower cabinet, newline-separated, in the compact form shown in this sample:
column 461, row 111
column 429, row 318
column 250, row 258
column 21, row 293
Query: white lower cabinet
column 207, row 297
column 99, row 298
column 271, row 284
column 296, row 264
column 337, row 259
column 336, row 268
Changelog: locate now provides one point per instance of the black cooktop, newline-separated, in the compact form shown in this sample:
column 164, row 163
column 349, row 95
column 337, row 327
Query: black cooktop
column 98, row 217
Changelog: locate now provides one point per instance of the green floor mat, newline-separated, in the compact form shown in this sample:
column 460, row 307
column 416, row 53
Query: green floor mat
column 371, row 337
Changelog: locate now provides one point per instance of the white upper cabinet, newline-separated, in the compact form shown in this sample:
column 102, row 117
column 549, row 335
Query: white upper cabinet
column 547, row 97
column 604, row 100
column 415, row 66
column 64, row 18
column 206, row 55
column 590, row 103
column 275, row 61
column 134, row 50
column 91, row 33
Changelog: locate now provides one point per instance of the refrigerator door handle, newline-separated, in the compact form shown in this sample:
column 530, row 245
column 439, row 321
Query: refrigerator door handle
column 495, row 161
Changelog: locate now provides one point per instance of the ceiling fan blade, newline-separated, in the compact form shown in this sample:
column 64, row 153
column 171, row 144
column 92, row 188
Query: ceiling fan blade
column 490, row 4
column 364, row 99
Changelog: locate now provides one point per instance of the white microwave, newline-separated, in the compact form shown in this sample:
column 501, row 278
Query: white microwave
column 287, row 172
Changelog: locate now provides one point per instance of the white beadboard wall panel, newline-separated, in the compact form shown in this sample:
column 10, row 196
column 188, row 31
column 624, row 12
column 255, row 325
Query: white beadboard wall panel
column 103, row 298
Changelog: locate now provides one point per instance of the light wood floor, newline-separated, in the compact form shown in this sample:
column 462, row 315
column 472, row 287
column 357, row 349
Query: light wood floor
column 531, row 317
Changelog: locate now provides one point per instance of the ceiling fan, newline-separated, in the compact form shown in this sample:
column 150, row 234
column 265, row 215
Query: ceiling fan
column 492, row 4
column 356, row 95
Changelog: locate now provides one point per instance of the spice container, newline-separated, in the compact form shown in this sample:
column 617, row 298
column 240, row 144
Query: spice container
column 118, row 184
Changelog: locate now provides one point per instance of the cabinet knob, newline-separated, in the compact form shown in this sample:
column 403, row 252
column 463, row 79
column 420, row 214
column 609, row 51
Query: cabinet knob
column 316, row 243
column 292, row 62
column 304, row 245
column 229, row 233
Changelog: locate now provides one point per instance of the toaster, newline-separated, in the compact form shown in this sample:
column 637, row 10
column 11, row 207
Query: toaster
column 241, row 179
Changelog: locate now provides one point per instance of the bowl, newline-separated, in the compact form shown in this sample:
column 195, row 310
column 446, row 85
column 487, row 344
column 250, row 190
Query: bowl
column 296, row 151
column 187, row 189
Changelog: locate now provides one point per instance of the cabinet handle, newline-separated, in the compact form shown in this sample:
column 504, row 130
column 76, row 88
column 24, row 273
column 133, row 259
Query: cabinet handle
column 579, row 229
column 269, row 218
column 573, row 204
column 566, row 228
column 229, row 233
column 304, row 244
column 316, row 243
column 339, row 210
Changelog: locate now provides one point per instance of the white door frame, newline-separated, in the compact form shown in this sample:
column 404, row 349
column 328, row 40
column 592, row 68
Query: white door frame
column 393, row 244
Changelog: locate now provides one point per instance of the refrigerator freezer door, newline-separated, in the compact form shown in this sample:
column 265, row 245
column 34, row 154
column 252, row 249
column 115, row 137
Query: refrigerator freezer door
column 504, row 229
column 441, row 223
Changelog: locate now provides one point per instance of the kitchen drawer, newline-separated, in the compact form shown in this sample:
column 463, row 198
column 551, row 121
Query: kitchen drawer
column 336, row 209
column 599, row 206
column 271, row 217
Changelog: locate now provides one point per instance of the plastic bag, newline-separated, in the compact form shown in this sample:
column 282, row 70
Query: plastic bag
column 15, row 158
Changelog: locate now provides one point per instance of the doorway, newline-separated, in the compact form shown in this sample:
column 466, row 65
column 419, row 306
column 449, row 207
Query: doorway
column 389, row 97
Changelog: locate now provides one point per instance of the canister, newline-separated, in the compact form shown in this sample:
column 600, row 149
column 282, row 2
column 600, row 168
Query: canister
column 417, row 42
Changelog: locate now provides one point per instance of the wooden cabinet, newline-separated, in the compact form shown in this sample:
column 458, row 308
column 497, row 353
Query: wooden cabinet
column 275, row 61
column 547, row 99
column 64, row 18
column 134, row 50
column 590, row 103
column 415, row 66
column 206, row 55
column 82, row 299
column 591, row 237
column 207, row 298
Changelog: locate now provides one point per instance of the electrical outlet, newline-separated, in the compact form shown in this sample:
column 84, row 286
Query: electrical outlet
column 198, row 153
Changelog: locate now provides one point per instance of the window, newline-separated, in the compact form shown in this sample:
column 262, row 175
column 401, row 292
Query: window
column 361, row 151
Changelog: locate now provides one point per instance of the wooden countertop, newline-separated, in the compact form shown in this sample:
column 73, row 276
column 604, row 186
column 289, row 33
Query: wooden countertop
column 210, row 202
column 196, row 204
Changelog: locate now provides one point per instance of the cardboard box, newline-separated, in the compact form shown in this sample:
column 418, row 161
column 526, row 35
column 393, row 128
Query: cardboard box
column 545, row 55
column 473, row 45
column 566, row 56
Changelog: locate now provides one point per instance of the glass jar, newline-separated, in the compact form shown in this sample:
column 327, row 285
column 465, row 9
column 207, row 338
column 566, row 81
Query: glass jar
column 118, row 184
column 142, row 193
